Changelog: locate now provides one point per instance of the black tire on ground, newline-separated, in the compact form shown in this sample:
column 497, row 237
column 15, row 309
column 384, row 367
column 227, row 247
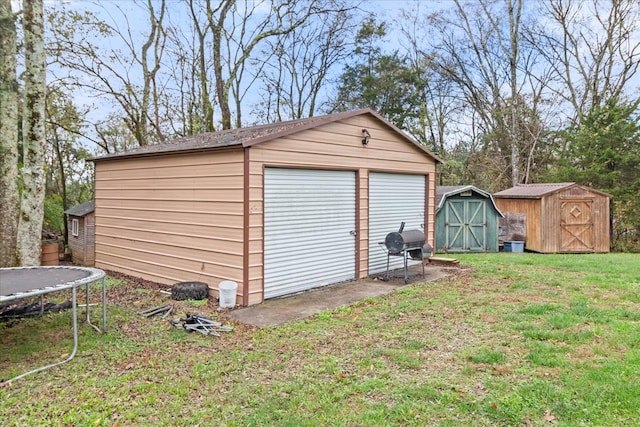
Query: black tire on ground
column 189, row 290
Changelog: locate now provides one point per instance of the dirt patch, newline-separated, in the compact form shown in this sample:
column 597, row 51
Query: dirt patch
column 140, row 294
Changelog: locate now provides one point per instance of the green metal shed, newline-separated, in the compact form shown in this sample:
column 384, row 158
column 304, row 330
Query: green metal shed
column 466, row 220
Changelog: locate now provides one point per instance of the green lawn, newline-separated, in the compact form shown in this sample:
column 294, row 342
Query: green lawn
column 511, row 339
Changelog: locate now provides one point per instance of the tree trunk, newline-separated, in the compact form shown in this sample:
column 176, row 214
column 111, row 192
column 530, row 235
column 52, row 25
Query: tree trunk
column 9, row 194
column 222, row 88
column 149, row 98
column 514, row 36
column 63, row 182
column 202, row 77
column 33, row 176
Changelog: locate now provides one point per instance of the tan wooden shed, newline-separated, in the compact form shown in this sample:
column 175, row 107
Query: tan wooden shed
column 81, row 236
column 561, row 217
column 277, row 208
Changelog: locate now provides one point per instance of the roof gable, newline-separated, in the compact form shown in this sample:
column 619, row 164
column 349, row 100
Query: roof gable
column 537, row 191
column 445, row 191
column 82, row 209
column 249, row 136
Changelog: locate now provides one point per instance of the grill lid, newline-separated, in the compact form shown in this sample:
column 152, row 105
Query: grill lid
column 396, row 242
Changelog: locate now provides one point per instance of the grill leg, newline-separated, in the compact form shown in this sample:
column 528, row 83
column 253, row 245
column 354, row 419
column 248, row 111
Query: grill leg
column 385, row 278
column 406, row 270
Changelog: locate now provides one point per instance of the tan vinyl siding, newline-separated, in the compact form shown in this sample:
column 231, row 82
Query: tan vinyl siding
column 172, row 218
column 338, row 146
column 363, row 227
column 178, row 216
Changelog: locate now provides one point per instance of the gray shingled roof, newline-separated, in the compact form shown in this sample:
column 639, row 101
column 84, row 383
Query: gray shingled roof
column 537, row 191
column 533, row 190
column 246, row 137
column 82, row 209
column 444, row 191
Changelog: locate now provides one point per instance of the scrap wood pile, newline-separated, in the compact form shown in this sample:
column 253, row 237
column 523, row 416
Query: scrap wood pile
column 163, row 311
column 190, row 323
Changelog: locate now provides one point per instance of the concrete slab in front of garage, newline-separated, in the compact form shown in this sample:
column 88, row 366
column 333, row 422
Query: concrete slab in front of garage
column 282, row 310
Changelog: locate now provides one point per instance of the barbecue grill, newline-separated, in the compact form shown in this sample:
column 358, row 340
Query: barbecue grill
column 407, row 244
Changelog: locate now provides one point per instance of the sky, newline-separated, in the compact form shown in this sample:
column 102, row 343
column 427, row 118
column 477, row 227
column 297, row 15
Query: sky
column 383, row 9
column 388, row 10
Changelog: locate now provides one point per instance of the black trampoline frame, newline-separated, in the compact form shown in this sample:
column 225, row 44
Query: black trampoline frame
column 94, row 275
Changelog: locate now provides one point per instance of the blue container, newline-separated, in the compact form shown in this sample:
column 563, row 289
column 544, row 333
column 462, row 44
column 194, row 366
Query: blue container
column 514, row 246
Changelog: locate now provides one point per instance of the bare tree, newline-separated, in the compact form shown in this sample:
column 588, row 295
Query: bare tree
column 440, row 104
column 189, row 99
column 514, row 7
column 33, row 176
column 112, row 135
column 593, row 48
column 479, row 51
column 237, row 29
column 115, row 63
column 297, row 65
column 152, row 49
column 66, row 157
column 9, row 194
column 201, row 65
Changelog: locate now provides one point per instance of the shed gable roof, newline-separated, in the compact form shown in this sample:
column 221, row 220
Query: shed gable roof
column 537, row 191
column 444, row 191
column 249, row 136
column 82, row 209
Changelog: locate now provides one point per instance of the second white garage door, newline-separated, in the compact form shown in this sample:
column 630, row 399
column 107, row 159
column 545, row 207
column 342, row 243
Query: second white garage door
column 309, row 224
column 393, row 198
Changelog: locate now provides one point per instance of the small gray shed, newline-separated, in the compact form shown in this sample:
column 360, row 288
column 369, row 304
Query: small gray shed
column 466, row 220
column 81, row 238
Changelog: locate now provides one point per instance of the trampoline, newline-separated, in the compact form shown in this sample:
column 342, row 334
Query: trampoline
column 26, row 282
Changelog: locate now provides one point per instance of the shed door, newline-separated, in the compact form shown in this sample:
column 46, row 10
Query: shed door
column 465, row 224
column 576, row 225
column 393, row 198
column 309, row 224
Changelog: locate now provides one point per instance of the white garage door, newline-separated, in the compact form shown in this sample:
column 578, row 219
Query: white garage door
column 393, row 198
column 309, row 220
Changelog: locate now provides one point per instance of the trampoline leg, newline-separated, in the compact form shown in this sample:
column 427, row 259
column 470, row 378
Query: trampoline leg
column 104, row 305
column 74, row 315
column 104, row 309
column 87, row 303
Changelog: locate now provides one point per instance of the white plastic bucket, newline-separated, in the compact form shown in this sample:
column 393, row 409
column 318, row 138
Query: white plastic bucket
column 227, row 290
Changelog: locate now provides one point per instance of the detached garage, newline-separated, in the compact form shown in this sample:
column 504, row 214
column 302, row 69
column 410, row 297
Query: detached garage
column 560, row 217
column 466, row 220
column 278, row 208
